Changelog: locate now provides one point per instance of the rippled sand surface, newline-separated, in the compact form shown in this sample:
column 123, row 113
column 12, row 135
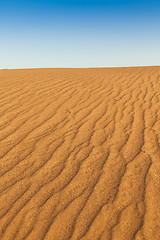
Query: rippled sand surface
column 80, row 154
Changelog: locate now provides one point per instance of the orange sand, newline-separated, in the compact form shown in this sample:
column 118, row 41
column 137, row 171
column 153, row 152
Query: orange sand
column 80, row 154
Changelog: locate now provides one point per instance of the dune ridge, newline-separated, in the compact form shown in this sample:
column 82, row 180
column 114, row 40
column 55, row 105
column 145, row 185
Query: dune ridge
column 80, row 154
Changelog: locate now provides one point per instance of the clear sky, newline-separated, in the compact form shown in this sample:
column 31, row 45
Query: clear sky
column 79, row 33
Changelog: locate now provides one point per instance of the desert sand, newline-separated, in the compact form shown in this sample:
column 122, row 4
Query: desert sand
column 80, row 154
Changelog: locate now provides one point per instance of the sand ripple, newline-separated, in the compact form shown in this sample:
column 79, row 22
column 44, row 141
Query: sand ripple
column 80, row 154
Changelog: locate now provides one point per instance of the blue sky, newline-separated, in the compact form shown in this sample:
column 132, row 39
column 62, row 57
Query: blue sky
column 79, row 33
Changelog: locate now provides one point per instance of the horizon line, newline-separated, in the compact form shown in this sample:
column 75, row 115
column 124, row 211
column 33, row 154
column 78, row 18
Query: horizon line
column 131, row 66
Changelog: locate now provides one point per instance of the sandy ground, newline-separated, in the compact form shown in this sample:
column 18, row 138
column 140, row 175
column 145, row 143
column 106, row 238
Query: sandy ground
column 80, row 154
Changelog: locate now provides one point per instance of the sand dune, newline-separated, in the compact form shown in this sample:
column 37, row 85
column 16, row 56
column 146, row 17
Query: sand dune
column 80, row 154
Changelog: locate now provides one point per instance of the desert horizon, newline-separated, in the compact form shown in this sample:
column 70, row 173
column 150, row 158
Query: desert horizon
column 89, row 67
column 80, row 153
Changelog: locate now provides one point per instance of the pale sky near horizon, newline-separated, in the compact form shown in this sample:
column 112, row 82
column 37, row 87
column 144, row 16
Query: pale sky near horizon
column 79, row 33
